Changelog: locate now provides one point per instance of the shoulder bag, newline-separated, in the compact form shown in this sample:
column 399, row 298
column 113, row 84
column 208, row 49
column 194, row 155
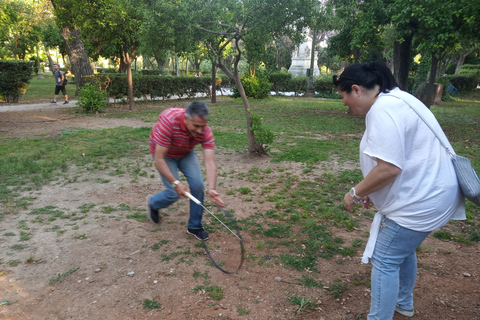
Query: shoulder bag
column 466, row 175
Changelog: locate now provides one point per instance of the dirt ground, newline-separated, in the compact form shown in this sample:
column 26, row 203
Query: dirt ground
column 112, row 264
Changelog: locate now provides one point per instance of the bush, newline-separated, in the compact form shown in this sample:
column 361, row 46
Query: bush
column 91, row 99
column 463, row 82
column 15, row 76
column 146, row 72
column 263, row 135
column 279, row 80
column 298, row 84
column 154, row 86
column 324, row 85
column 257, row 88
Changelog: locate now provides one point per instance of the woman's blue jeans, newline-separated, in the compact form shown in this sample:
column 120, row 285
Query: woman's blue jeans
column 394, row 269
column 190, row 167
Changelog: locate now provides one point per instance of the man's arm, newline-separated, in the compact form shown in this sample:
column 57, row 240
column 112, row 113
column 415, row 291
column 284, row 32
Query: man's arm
column 162, row 167
column 211, row 168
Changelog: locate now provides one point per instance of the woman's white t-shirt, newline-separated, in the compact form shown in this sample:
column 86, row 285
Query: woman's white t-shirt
column 425, row 195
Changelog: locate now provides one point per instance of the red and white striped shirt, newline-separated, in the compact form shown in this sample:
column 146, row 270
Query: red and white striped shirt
column 170, row 132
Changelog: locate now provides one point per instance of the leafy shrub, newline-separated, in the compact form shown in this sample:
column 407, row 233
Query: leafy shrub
column 151, row 85
column 263, row 135
column 298, row 84
column 91, row 99
column 107, row 70
column 324, row 85
column 147, row 72
column 279, row 80
column 255, row 87
column 15, row 76
column 328, row 95
column 464, row 82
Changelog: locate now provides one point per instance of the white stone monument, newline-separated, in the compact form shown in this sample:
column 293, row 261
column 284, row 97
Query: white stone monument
column 301, row 58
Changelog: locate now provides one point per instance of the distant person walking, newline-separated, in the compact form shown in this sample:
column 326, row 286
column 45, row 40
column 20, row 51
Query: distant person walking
column 60, row 81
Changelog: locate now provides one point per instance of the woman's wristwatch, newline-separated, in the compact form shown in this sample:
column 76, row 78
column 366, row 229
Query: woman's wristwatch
column 356, row 199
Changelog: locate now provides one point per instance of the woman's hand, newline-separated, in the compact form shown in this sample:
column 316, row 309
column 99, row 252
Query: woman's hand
column 366, row 202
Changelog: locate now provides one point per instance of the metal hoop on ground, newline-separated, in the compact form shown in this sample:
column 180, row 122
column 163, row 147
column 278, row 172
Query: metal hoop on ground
column 237, row 235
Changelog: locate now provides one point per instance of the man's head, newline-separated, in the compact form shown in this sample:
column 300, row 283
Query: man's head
column 196, row 117
column 56, row 66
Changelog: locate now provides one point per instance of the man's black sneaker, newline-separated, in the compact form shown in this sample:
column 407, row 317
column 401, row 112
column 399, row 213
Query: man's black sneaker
column 152, row 214
column 66, row 102
column 200, row 234
column 53, row 101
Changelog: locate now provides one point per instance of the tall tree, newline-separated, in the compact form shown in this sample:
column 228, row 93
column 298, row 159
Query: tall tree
column 74, row 44
column 111, row 29
column 442, row 24
column 249, row 23
column 19, row 27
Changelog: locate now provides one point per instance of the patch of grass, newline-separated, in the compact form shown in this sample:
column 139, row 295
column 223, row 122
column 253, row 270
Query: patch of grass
column 14, row 262
column 241, row 311
column 151, row 304
column 50, row 210
column 278, row 231
column 171, row 256
column 63, row 276
column 18, row 247
column 310, row 282
column 244, row 190
column 84, row 208
column 337, row 288
column 107, row 209
column 25, row 236
column 443, row 235
column 301, row 302
column 140, row 217
column 215, row 292
column 157, row 246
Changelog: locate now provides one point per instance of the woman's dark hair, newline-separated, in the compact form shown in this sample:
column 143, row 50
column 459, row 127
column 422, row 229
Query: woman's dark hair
column 367, row 75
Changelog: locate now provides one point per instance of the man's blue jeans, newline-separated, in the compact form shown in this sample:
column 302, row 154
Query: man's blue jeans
column 190, row 167
column 394, row 269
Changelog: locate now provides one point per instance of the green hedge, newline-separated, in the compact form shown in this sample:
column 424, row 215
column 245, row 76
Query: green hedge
column 255, row 87
column 151, row 86
column 279, row 80
column 463, row 82
column 15, row 76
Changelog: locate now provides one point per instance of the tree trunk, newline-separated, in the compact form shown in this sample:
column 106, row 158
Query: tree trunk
column 401, row 61
column 160, row 62
column 431, row 81
column 254, row 148
column 122, row 66
column 50, row 60
column 356, row 55
column 127, row 61
column 214, row 83
column 79, row 61
column 80, row 64
column 461, row 60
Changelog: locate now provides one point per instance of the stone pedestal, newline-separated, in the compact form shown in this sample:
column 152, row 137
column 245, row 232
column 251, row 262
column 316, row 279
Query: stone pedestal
column 301, row 58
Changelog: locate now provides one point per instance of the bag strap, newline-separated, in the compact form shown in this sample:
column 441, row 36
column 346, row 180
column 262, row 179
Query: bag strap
column 424, row 120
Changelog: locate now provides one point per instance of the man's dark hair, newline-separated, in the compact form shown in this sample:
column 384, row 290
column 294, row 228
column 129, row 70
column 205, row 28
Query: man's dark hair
column 367, row 75
column 197, row 108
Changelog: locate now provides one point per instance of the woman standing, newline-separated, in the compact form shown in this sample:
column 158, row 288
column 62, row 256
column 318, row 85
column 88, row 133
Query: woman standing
column 408, row 176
